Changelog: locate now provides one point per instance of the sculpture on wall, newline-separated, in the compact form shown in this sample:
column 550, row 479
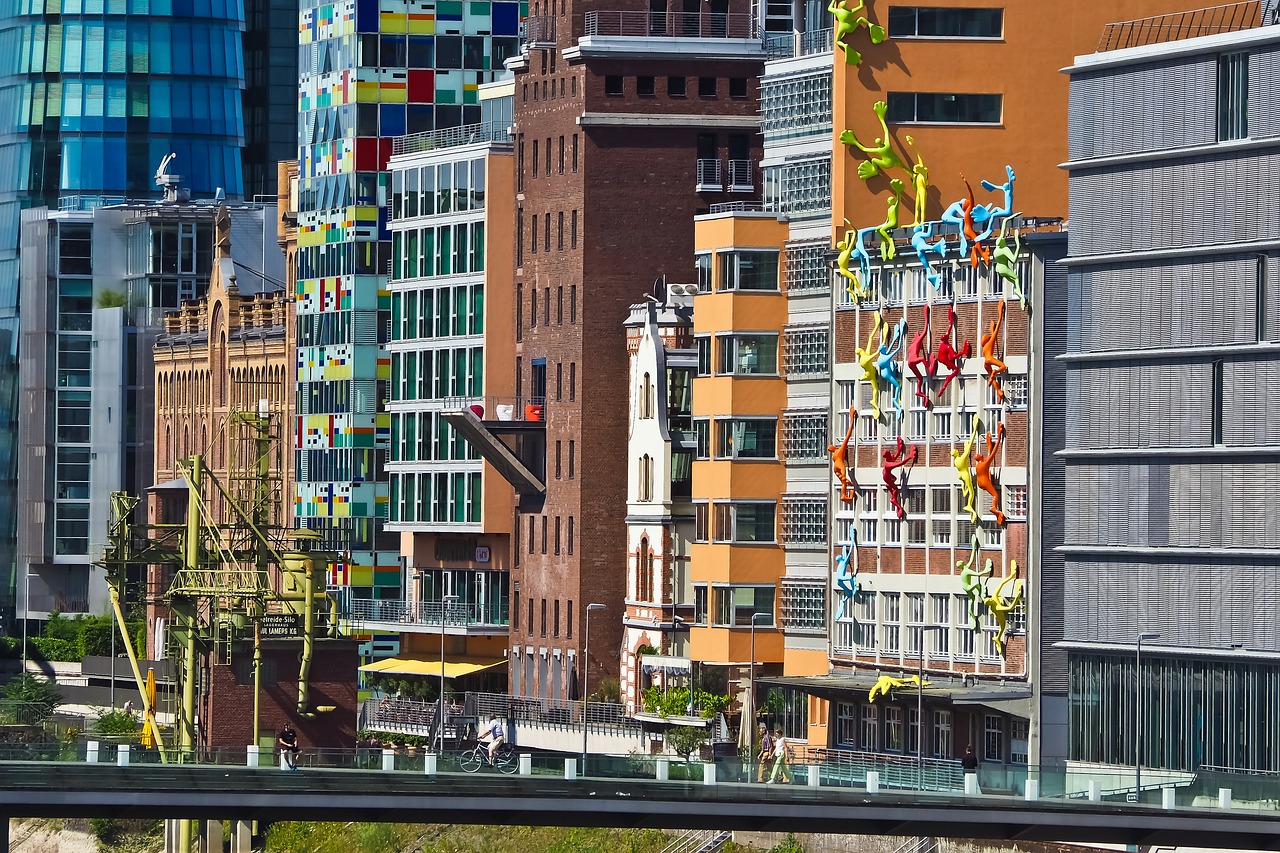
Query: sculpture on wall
column 919, row 182
column 867, row 361
column 889, row 249
column 840, row 461
column 971, row 580
column 920, row 360
column 849, row 248
column 1001, row 604
column 885, row 683
column 847, row 23
column 948, row 356
column 880, row 156
column 962, row 460
column 968, row 216
column 990, row 363
column 1005, row 261
column 920, row 236
column 889, row 368
column 893, row 460
column 977, row 248
column 990, row 213
column 846, row 582
column 982, row 471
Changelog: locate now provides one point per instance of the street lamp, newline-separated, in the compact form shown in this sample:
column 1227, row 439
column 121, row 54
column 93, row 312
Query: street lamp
column 1138, row 722
column 920, row 704
column 586, row 672
column 751, row 677
column 444, row 615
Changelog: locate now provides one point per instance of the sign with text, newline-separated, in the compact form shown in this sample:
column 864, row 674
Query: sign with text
column 275, row 626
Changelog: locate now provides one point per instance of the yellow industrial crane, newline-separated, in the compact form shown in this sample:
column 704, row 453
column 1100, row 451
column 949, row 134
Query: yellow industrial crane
column 232, row 563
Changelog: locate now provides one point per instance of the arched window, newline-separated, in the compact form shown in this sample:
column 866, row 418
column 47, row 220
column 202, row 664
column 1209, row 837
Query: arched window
column 644, row 571
column 646, row 478
column 646, row 397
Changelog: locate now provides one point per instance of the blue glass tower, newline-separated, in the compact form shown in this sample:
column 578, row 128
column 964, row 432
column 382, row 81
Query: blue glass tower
column 93, row 95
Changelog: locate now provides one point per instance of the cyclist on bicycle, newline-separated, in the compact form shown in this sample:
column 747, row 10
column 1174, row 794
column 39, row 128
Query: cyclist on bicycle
column 495, row 735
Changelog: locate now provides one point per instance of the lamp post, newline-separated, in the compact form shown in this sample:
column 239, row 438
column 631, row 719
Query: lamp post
column 924, row 629
column 751, row 677
column 444, row 616
column 26, row 617
column 586, row 672
column 1138, row 723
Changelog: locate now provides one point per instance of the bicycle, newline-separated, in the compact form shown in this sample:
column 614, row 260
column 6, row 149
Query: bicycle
column 506, row 760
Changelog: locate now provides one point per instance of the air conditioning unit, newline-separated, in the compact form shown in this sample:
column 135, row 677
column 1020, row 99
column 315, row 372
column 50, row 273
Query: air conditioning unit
column 681, row 295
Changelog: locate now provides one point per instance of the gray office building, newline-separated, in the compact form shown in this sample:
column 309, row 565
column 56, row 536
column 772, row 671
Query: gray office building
column 1168, row 470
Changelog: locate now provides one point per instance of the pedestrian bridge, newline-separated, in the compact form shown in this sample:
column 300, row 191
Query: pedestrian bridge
column 1207, row 810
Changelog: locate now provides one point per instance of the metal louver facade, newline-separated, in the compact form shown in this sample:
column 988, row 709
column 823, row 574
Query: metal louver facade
column 1172, row 380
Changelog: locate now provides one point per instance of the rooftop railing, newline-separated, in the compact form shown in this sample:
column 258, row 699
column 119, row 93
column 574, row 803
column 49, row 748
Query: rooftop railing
column 433, row 140
column 457, row 613
column 703, row 25
column 1177, row 26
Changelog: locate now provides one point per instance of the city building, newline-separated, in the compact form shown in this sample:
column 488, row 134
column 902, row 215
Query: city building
column 369, row 72
column 628, row 122
column 660, row 518
column 96, row 283
column 218, row 358
column 452, row 225
column 1166, row 455
column 95, row 98
column 906, row 591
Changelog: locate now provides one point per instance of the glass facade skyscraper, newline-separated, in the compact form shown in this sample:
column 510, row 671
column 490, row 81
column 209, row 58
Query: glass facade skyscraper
column 95, row 93
column 369, row 70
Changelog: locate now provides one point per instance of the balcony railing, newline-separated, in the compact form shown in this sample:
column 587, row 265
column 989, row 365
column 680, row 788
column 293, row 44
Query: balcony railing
column 456, row 614
column 1177, row 26
column 709, row 176
column 740, row 176
column 433, row 140
column 540, row 31
column 492, row 408
column 705, row 25
column 554, row 713
column 815, row 41
column 738, row 207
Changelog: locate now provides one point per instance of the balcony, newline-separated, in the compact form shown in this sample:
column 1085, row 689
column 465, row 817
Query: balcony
column 709, row 177
column 414, row 616
column 740, row 176
column 693, row 25
column 1177, row 26
column 540, row 32
column 433, row 140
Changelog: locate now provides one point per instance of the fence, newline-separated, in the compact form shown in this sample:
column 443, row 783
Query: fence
column 1181, row 25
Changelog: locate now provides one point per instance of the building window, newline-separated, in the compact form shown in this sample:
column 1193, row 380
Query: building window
column 644, row 87
column 573, row 228
column 804, row 522
column 795, row 105
column 805, row 268
column 700, row 604
column 737, row 87
column 560, row 231
column 804, row 435
column 942, row 744
column 543, row 623
column 571, row 459
column 943, row 108
column 1233, row 96
column 644, row 571
column 803, row 607
column 702, row 438
column 738, row 605
column 747, row 271
column 701, row 521
column 893, row 741
column 890, row 622
column 645, row 474
column 799, row 187
column 676, row 87
column 573, row 301
column 704, row 355
column 804, row 351
column 560, row 163
column 706, row 87
column 703, row 262
column 869, row 730
column 1015, row 390
column 747, row 438
column 1018, row 738
column 993, row 738
column 613, row 85
column 745, row 521
column 568, row 605
column 933, row 22
column 1015, row 501
column 748, row 355
column 575, row 149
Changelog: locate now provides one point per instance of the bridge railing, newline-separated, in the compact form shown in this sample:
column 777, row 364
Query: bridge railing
column 555, row 713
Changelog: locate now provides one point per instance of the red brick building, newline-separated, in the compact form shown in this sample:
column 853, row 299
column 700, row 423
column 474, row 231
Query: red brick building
column 628, row 123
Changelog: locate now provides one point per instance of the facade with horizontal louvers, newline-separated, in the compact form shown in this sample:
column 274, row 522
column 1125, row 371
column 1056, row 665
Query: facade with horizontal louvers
column 1171, row 360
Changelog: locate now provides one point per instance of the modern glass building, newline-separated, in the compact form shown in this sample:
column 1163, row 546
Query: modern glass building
column 93, row 95
column 370, row 70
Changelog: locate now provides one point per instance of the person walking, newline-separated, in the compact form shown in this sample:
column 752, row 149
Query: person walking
column 970, row 761
column 765, row 755
column 780, row 757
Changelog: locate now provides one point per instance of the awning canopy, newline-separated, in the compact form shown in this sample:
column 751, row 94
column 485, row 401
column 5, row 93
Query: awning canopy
column 665, row 663
column 431, row 666
column 848, row 686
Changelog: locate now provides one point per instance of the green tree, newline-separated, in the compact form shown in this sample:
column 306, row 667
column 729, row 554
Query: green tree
column 111, row 299
column 34, row 699
column 683, row 740
column 116, row 723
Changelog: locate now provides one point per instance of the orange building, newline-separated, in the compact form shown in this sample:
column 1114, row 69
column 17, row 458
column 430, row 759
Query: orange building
column 949, row 130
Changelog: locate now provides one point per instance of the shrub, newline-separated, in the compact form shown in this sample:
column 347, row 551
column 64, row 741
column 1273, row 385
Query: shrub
column 683, row 740
column 116, row 723
column 56, row 649
column 35, row 699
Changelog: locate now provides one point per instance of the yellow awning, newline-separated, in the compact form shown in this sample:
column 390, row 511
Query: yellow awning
column 430, row 667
